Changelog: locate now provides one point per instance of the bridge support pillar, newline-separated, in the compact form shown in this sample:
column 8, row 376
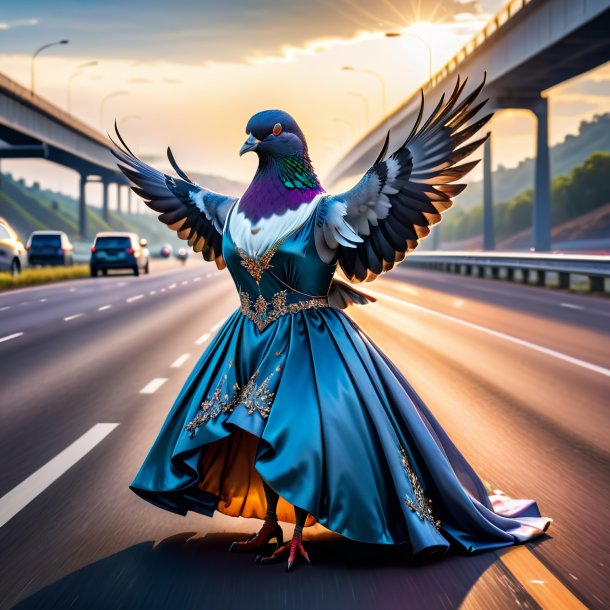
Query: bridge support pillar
column 489, row 241
column 119, row 196
column 82, row 207
column 129, row 201
column 105, row 214
column 541, row 215
column 542, row 182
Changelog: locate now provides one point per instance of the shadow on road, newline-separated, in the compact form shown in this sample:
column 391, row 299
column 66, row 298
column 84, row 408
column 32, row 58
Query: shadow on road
column 186, row 572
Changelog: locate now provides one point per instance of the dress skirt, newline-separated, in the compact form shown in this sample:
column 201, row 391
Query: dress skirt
column 313, row 407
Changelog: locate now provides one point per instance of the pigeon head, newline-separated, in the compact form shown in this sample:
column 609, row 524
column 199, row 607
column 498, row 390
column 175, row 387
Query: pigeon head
column 285, row 178
column 274, row 133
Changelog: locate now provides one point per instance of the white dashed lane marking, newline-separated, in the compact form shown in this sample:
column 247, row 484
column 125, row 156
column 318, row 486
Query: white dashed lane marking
column 571, row 306
column 5, row 308
column 178, row 362
column 73, row 317
column 153, row 386
column 202, row 339
column 171, row 286
column 136, row 298
column 104, row 307
column 20, row 496
column 218, row 325
column 9, row 337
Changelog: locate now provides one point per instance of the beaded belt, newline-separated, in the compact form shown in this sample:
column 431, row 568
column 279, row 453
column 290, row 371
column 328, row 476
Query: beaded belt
column 262, row 312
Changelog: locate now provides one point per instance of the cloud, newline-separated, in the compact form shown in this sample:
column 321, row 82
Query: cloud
column 201, row 31
column 18, row 23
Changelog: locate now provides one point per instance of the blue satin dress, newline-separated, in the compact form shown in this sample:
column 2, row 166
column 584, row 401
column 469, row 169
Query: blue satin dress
column 292, row 391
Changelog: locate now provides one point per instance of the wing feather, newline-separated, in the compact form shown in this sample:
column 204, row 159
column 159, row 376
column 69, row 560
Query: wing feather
column 196, row 214
column 377, row 223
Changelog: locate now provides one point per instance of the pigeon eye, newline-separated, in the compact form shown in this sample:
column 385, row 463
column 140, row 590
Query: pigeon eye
column 277, row 129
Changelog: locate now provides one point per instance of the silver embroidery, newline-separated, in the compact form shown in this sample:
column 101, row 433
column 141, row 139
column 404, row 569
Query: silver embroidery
column 419, row 504
column 256, row 398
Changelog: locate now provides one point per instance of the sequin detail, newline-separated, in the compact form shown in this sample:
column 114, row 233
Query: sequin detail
column 262, row 312
column 256, row 398
column 255, row 266
column 419, row 504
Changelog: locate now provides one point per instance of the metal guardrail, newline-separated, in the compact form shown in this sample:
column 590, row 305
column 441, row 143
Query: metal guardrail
column 503, row 16
column 533, row 268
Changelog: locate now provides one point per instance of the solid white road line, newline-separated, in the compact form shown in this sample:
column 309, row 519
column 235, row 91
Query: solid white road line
column 533, row 346
column 104, row 307
column 178, row 362
column 20, row 496
column 73, row 317
column 136, row 298
column 202, row 339
column 9, row 337
column 153, row 386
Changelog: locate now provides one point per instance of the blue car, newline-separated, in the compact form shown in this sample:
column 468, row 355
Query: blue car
column 49, row 248
column 115, row 250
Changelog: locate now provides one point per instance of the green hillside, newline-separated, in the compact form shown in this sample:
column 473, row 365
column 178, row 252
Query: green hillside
column 585, row 189
column 592, row 136
column 29, row 208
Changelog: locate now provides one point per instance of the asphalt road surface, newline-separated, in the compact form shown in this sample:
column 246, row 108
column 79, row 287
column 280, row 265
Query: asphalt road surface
column 519, row 376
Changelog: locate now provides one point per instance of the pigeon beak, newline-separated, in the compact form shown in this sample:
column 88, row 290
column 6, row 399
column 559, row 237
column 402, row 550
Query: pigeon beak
column 250, row 144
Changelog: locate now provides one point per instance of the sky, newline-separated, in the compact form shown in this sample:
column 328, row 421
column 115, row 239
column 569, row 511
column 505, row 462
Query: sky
column 191, row 72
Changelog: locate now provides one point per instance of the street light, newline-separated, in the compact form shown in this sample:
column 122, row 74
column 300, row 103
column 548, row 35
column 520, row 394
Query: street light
column 129, row 118
column 344, row 122
column 378, row 77
column 72, row 76
column 399, row 34
column 103, row 103
column 42, row 48
column 366, row 105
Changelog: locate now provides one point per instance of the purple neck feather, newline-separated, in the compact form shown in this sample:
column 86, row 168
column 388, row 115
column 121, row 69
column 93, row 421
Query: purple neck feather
column 267, row 194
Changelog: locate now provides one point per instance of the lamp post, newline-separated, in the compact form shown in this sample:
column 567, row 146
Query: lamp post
column 103, row 103
column 33, row 65
column 400, row 34
column 347, row 123
column 366, row 105
column 378, row 77
column 72, row 76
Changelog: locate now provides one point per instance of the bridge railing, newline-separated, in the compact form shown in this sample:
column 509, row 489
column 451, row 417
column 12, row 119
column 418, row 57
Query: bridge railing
column 505, row 14
column 26, row 97
column 552, row 270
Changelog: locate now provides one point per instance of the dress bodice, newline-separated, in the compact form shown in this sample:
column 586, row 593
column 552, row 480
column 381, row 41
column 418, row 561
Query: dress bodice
column 288, row 277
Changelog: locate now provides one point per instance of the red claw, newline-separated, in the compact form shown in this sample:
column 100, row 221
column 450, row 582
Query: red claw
column 259, row 540
column 291, row 550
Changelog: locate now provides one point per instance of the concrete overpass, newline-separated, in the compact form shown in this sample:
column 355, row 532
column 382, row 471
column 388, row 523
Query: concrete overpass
column 530, row 46
column 32, row 127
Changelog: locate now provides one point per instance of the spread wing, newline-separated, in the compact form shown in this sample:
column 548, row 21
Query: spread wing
column 377, row 223
column 195, row 213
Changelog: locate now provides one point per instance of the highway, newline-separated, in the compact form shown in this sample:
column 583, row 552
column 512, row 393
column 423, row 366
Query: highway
column 519, row 377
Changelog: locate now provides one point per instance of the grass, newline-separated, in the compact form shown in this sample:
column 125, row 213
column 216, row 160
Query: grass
column 42, row 275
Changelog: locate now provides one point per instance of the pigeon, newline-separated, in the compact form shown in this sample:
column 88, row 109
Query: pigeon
column 367, row 230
